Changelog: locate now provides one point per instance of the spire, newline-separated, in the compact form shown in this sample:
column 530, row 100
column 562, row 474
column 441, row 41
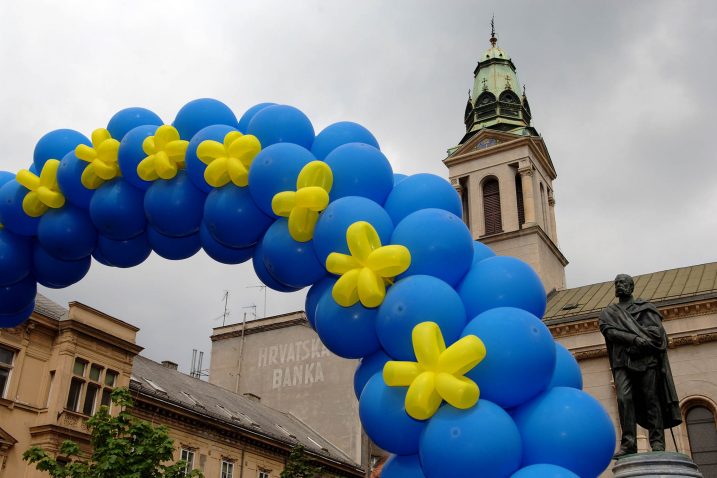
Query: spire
column 493, row 39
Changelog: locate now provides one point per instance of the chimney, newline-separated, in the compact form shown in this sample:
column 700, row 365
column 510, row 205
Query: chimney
column 252, row 397
column 169, row 364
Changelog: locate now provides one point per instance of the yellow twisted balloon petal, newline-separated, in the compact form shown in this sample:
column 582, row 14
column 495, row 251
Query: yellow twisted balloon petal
column 362, row 240
column 438, row 373
column 165, row 154
column 345, row 291
column 371, row 288
column 303, row 206
column 44, row 190
column 102, row 158
column 230, row 160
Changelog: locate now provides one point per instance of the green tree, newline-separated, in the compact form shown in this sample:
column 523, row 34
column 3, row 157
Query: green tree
column 122, row 447
column 298, row 465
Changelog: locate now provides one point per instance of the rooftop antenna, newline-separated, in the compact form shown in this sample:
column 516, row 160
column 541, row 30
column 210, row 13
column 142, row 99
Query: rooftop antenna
column 259, row 287
column 225, row 298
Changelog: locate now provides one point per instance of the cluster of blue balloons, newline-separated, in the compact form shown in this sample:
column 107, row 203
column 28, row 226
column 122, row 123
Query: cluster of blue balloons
column 532, row 418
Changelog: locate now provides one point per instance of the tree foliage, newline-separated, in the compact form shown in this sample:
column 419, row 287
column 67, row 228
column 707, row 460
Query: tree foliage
column 299, row 466
column 122, row 447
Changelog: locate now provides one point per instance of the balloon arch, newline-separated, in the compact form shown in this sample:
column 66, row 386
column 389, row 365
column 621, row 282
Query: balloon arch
column 458, row 375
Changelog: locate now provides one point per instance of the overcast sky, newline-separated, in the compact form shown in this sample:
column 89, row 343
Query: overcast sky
column 622, row 92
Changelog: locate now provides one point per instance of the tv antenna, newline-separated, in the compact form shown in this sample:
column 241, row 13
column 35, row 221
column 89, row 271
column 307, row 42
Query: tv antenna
column 265, row 290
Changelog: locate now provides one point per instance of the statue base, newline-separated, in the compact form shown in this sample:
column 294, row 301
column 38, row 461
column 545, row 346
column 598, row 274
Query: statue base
column 658, row 464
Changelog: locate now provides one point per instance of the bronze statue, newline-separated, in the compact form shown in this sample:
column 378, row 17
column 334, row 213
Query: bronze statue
column 637, row 350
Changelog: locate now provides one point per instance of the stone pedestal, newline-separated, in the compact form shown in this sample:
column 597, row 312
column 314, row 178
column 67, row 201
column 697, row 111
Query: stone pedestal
column 656, row 465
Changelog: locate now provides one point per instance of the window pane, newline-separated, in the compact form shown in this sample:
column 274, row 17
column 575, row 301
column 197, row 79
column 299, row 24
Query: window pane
column 4, row 379
column 110, row 378
column 90, row 397
column 227, row 469
column 79, row 368
column 6, row 356
column 95, row 371
column 106, row 397
column 73, row 398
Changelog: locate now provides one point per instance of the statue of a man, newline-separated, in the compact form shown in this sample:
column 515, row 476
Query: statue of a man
column 637, row 350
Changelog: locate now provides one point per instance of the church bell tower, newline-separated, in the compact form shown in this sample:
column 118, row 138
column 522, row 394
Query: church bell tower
column 503, row 172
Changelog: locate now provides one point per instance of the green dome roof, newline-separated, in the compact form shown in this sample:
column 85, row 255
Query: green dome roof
column 494, row 52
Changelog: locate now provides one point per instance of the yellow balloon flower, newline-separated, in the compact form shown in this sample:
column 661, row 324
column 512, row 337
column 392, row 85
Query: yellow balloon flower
column 303, row 206
column 229, row 161
column 102, row 157
column 44, row 190
column 365, row 273
column 438, row 374
column 165, row 154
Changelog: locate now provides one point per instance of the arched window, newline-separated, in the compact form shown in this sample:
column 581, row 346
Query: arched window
column 509, row 97
column 491, row 206
column 519, row 195
column 702, row 433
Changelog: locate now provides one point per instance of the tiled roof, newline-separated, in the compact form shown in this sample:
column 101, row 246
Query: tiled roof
column 671, row 286
column 230, row 408
column 48, row 308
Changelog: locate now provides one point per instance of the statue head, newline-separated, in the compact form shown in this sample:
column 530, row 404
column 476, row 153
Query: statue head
column 624, row 285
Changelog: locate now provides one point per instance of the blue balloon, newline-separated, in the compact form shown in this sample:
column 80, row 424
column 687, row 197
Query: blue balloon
column 367, row 368
column 117, row 210
column 222, row 253
column 275, row 169
column 13, row 320
column 15, row 257
column 15, row 297
column 360, row 170
column 290, row 262
column 520, row 355
column 422, row 191
column 6, row 176
column 232, row 217
column 55, row 273
column 440, row 244
column 281, row 124
column 338, row 134
column 55, row 145
column 67, row 233
column 195, row 166
column 129, row 118
column 249, row 114
column 502, row 281
column 482, row 440
column 384, row 418
column 567, row 371
column 349, row 332
column 402, row 466
column 314, row 295
column 411, row 301
column 199, row 114
column 69, row 178
column 544, row 471
column 174, row 248
column 330, row 232
column 11, row 214
column 131, row 154
column 397, row 178
column 97, row 256
column 33, row 170
column 124, row 254
column 263, row 274
column 174, row 207
column 569, row 428
column 481, row 252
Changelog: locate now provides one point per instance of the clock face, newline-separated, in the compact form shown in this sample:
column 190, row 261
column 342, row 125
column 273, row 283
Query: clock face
column 486, row 143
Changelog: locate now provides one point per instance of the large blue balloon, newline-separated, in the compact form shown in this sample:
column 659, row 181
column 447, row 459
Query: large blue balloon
column 330, row 232
column 263, row 274
column 15, row 257
column 338, row 134
column 520, row 355
column 6, row 176
column 281, row 124
column 15, row 297
column 232, row 217
column 55, row 145
column 397, row 178
column 349, row 332
column 124, row 254
column 502, row 282
column 567, row 371
column 481, row 441
column 173, row 248
column 69, row 178
column 367, row 368
column 275, row 169
column 314, row 295
column 195, row 166
column 174, row 207
column 117, row 210
column 13, row 320
column 402, row 466
column 199, row 114
column 568, row 428
column 411, row 301
column 12, row 216
column 360, row 170
column 129, row 118
column 290, row 262
column 481, row 252
column 55, row 273
column 131, row 154
column 67, row 233
column 422, row 191
column 384, row 418
column 544, row 471
column 249, row 114
column 440, row 244
column 222, row 253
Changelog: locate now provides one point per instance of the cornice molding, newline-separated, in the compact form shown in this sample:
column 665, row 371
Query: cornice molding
column 535, row 229
column 261, row 328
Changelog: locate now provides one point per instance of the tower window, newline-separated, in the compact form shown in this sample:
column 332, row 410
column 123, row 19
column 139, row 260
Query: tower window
column 491, row 206
column 519, row 196
column 703, row 438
